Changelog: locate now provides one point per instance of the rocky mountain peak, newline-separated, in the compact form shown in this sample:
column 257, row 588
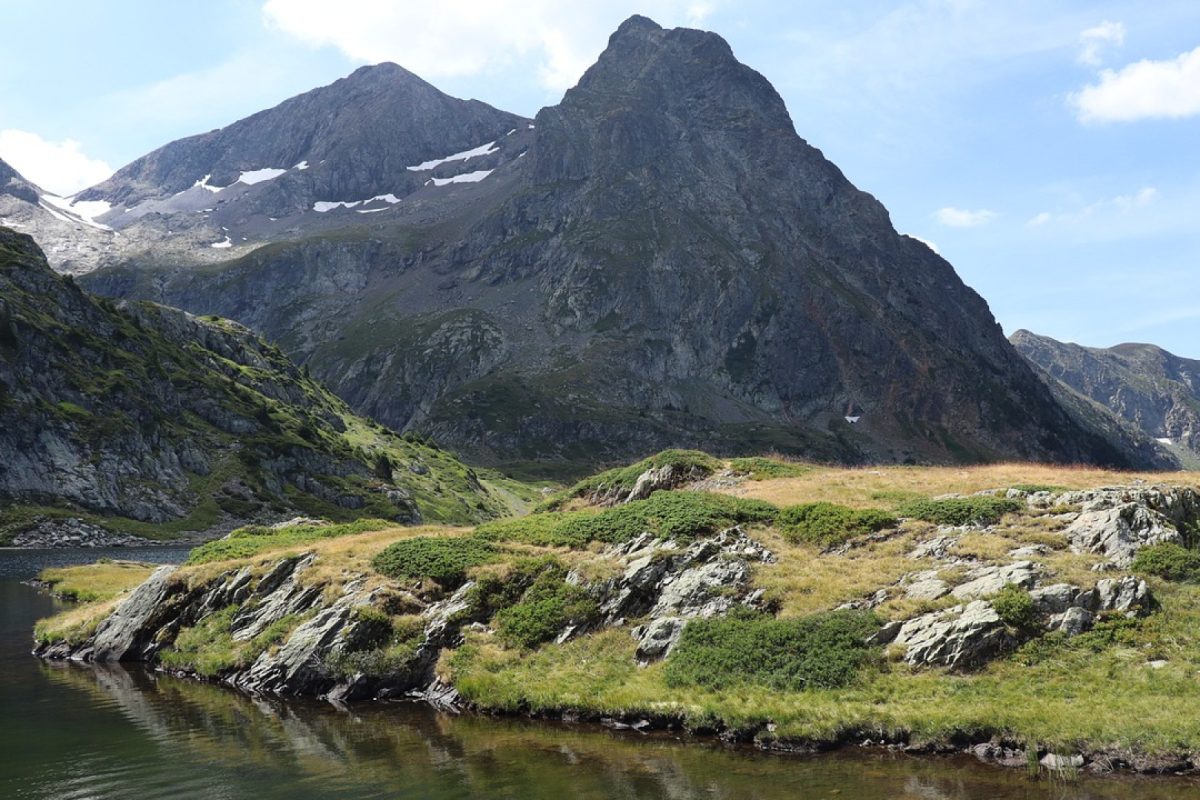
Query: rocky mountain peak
column 12, row 184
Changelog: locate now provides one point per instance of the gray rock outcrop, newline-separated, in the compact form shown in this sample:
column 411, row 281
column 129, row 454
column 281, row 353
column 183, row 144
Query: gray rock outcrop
column 1118, row 522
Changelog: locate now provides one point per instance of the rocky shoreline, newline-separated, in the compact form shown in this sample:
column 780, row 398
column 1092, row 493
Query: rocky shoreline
column 290, row 633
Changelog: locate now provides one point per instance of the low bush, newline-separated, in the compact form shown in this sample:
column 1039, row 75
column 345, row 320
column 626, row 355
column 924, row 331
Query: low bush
column 1169, row 561
column 496, row 590
column 758, row 468
column 667, row 515
column 824, row 650
column 827, row 524
column 547, row 606
column 543, row 530
column 976, row 510
column 1014, row 605
column 444, row 559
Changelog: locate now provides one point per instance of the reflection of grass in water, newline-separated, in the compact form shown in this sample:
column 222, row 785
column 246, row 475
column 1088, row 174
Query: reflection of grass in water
column 412, row 750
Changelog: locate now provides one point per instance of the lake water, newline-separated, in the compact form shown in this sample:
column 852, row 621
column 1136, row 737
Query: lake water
column 80, row 732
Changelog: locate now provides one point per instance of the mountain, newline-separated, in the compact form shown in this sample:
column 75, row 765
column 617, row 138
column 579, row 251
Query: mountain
column 73, row 241
column 131, row 416
column 1157, row 392
column 661, row 261
column 361, row 145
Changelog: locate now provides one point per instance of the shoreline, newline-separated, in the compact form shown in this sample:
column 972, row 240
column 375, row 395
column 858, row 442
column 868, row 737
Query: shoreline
column 993, row 749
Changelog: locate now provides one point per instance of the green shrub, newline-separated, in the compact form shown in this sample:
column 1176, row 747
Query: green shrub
column 667, row 515
column 372, row 628
column 493, row 592
column 444, row 559
column 548, row 605
column 757, row 468
column 1169, row 561
column 1014, row 605
column 544, row 530
column 670, row 515
column 827, row 524
column 824, row 650
column 977, row 510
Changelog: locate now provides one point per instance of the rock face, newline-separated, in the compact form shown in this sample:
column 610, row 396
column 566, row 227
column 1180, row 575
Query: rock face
column 671, row 585
column 969, row 635
column 73, row 242
column 147, row 413
column 669, row 264
column 1156, row 392
column 1118, row 522
column 663, row 582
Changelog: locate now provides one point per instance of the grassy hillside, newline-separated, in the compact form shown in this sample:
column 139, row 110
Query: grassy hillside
column 145, row 420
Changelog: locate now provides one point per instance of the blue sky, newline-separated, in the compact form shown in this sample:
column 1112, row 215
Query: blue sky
column 1047, row 149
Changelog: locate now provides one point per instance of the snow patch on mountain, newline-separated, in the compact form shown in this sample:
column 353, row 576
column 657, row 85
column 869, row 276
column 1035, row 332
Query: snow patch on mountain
column 465, row 155
column 254, row 176
column 466, row 177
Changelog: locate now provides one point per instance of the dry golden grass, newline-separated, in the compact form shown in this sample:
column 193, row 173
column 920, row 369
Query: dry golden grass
column 891, row 487
column 803, row 580
column 100, row 581
column 75, row 624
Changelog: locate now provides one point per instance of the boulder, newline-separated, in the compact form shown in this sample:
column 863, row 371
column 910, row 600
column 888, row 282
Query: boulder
column 963, row 636
column 987, row 580
column 130, row 632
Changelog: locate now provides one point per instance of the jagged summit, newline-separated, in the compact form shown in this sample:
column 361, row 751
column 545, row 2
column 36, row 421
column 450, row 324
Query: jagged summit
column 659, row 260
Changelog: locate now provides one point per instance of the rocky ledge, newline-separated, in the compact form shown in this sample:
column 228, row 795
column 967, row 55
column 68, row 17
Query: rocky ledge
column 661, row 583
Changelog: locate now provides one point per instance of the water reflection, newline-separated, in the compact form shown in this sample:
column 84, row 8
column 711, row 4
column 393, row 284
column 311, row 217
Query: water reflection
column 102, row 733
column 232, row 745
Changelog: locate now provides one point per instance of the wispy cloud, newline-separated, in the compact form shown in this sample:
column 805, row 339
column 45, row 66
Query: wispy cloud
column 963, row 218
column 1122, row 203
column 59, row 167
column 1094, row 40
column 1146, row 89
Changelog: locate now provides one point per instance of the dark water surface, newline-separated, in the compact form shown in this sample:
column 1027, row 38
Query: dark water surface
column 75, row 732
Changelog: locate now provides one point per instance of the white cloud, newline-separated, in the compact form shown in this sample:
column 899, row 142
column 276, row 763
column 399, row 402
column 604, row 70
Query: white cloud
column 963, row 218
column 1094, row 40
column 1140, row 199
column 1102, row 209
column 1143, row 90
column 469, row 37
column 58, row 167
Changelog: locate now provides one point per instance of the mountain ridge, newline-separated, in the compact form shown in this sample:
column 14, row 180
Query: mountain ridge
column 664, row 262
column 1152, row 389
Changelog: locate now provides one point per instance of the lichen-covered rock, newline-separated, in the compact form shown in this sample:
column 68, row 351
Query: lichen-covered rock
column 962, row 636
column 1117, row 522
column 987, row 580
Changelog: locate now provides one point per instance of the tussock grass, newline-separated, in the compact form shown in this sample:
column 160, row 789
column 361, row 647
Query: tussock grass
column 103, row 580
